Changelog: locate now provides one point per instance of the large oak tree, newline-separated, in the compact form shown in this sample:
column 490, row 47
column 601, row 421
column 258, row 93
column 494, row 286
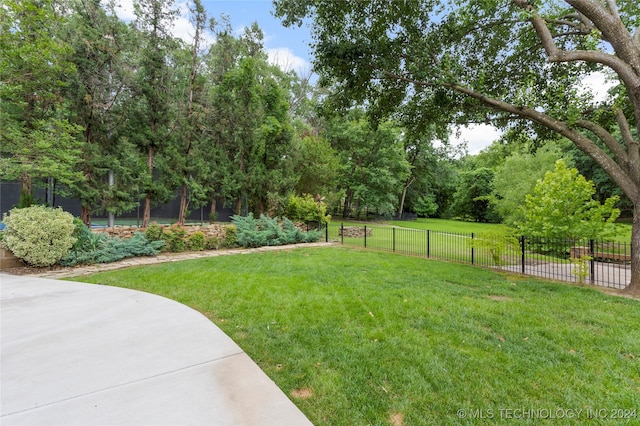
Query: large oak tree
column 497, row 61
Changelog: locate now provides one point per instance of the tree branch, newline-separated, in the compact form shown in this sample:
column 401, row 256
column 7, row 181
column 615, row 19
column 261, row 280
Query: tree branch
column 618, row 170
column 625, row 180
column 557, row 55
column 633, row 149
column 612, row 143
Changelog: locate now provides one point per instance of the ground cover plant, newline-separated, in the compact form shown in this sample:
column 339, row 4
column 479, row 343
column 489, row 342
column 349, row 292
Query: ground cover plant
column 365, row 337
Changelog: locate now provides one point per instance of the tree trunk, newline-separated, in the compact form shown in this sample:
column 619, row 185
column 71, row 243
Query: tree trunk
column 239, row 205
column 25, row 183
column 183, row 204
column 146, row 215
column 146, row 212
column 212, row 212
column 634, row 284
column 85, row 215
column 404, row 196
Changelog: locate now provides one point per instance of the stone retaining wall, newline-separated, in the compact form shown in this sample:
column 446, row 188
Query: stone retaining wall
column 214, row 230
column 8, row 260
column 354, row 231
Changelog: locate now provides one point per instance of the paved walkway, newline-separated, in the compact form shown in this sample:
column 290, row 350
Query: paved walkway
column 74, row 353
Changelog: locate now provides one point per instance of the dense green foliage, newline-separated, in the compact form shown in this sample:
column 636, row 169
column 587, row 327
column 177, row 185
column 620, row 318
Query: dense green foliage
column 267, row 231
column 426, row 206
column 471, row 199
column 373, row 337
column 516, row 177
column 39, row 235
column 230, row 237
column 307, row 210
column 562, row 207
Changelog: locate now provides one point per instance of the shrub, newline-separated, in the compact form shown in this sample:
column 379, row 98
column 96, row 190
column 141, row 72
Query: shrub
column 306, row 209
column 197, row 241
column 176, row 238
column 230, row 237
column 212, row 243
column 268, row 231
column 105, row 249
column 39, row 235
column 154, row 232
column 581, row 268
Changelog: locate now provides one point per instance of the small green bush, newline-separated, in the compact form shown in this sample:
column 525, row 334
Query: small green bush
column 212, row 243
column 154, row 232
column 197, row 241
column 176, row 238
column 39, row 235
column 267, row 231
column 496, row 244
column 306, row 209
column 230, row 237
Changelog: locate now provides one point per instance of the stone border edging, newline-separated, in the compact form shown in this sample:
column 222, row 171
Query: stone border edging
column 163, row 258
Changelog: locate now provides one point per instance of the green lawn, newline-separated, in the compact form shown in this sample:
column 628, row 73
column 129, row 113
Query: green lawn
column 450, row 225
column 358, row 337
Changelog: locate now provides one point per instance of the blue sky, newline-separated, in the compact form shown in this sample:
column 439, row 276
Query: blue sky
column 288, row 47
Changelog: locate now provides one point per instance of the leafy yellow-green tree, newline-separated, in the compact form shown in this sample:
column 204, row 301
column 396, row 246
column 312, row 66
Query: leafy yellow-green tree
column 562, row 207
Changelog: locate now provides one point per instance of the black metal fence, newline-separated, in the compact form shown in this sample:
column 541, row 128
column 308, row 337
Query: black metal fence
column 601, row 263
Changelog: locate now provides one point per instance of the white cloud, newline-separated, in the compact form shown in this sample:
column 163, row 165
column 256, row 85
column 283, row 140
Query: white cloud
column 124, row 10
column 477, row 136
column 182, row 27
column 598, row 84
column 287, row 60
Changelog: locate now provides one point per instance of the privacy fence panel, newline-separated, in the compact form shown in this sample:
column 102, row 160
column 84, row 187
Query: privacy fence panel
column 600, row 263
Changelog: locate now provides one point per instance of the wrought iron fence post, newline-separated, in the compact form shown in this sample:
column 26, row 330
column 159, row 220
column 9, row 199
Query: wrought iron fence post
column 472, row 251
column 522, row 251
column 365, row 236
column 592, row 262
column 326, row 232
column 394, row 238
column 428, row 243
column 342, row 233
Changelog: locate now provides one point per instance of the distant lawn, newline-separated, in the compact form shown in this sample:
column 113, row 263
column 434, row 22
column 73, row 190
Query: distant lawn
column 357, row 337
column 450, row 225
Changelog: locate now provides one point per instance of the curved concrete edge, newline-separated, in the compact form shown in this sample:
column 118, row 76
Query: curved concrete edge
column 75, row 353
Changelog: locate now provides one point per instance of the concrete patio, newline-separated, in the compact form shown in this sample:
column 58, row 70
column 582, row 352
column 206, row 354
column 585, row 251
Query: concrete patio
column 79, row 354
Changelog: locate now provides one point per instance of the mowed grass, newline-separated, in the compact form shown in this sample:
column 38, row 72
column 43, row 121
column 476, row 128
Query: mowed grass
column 450, row 225
column 360, row 337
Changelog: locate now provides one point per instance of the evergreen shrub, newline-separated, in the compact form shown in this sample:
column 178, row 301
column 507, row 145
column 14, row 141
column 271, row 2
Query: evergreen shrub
column 176, row 239
column 39, row 235
column 230, row 237
column 212, row 243
column 306, row 209
column 154, row 232
column 197, row 241
column 267, row 231
column 91, row 248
